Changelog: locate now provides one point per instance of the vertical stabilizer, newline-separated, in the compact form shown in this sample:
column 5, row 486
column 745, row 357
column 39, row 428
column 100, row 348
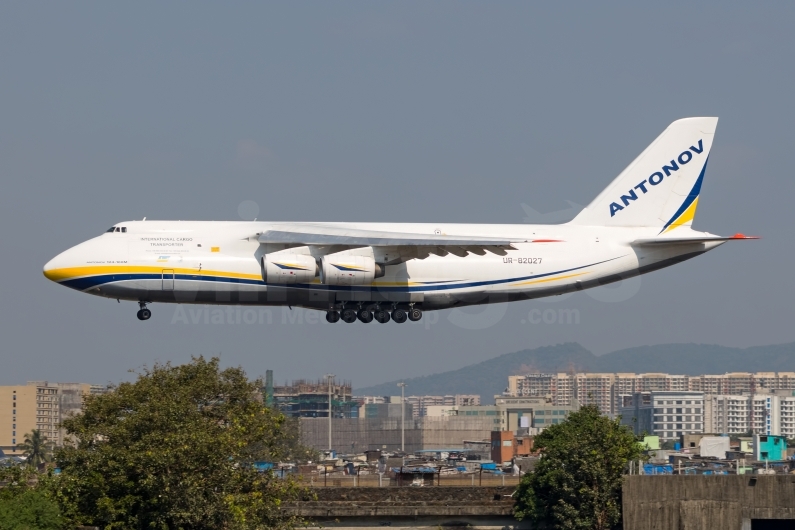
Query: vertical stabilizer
column 660, row 188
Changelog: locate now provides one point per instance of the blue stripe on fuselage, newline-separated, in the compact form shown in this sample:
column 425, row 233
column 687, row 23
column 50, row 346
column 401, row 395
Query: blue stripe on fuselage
column 89, row 282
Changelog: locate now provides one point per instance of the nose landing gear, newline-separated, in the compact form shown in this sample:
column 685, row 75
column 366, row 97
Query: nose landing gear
column 143, row 313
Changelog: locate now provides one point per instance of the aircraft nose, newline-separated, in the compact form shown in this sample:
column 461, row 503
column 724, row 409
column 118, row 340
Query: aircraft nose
column 49, row 269
column 56, row 264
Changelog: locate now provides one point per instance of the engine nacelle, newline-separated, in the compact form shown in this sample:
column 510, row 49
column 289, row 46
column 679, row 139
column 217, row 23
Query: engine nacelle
column 288, row 268
column 346, row 269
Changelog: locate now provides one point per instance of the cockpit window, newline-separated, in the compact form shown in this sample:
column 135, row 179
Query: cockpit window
column 111, row 229
column 124, row 229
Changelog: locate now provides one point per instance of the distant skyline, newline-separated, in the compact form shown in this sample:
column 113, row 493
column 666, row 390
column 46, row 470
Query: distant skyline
column 412, row 111
column 488, row 378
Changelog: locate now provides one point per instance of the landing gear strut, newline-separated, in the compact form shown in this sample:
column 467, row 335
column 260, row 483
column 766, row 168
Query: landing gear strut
column 143, row 313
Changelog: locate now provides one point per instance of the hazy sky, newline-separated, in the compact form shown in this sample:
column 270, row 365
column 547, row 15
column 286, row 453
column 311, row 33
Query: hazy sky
column 374, row 111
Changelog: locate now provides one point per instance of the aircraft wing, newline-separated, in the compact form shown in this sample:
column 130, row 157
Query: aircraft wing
column 659, row 241
column 413, row 244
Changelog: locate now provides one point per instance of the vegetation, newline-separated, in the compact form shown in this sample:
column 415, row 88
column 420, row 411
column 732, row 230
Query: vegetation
column 175, row 449
column 24, row 506
column 577, row 481
column 36, row 448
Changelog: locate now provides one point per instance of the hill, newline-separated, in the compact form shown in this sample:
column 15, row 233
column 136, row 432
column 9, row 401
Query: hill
column 490, row 377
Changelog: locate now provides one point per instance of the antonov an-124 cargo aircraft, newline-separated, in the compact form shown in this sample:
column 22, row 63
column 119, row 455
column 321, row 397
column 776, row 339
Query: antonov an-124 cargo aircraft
column 394, row 271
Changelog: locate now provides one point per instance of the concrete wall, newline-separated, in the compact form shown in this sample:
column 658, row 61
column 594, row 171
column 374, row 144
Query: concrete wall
column 695, row 502
column 358, row 435
column 471, row 507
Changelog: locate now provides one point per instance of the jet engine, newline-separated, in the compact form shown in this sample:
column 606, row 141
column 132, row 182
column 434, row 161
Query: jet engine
column 345, row 269
column 288, row 268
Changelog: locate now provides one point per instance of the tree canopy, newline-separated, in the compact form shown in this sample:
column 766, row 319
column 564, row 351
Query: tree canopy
column 174, row 449
column 576, row 483
column 24, row 506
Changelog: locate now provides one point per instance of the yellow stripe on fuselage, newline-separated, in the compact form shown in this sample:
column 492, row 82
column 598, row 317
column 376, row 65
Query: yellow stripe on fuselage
column 71, row 273
column 551, row 279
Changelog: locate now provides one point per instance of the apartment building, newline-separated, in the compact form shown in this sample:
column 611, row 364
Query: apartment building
column 667, row 414
column 38, row 405
column 606, row 390
column 770, row 413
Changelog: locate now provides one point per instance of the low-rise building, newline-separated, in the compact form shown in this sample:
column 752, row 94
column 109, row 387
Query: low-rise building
column 505, row 446
column 420, row 405
column 511, row 413
column 769, row 448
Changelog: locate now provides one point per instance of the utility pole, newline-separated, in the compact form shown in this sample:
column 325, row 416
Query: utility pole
column 402, row 386
column 330, row 378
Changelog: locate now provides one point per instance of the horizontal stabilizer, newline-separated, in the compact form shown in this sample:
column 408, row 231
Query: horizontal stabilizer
column 658, row 241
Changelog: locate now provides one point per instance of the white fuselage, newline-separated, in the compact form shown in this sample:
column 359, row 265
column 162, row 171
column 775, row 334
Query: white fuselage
column 220, row 263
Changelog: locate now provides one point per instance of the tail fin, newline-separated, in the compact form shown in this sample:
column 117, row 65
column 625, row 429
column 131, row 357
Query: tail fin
column 660, row 187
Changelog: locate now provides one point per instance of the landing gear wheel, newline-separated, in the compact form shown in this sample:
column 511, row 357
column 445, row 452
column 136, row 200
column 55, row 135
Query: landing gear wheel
column 349, row 316
column 332, row 316
column 382, row 316
column 144, row 314
column 399, row 316
column 365, row 315
column 415, row 314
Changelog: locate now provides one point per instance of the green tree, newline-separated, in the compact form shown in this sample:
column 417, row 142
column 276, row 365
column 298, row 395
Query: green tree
column 576, row 483
column 36, row 448
column 174, row 450
column 24, row 505
column 30, row 510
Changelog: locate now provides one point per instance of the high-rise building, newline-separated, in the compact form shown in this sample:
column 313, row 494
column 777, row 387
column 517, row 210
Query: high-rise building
column 39, row 405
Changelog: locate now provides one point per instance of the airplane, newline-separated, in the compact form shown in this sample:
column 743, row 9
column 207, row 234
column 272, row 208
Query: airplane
column 394, row 271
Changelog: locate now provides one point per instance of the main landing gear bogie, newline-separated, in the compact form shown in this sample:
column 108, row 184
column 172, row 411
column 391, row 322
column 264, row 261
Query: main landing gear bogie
column 143, row 312
column 367, row 315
